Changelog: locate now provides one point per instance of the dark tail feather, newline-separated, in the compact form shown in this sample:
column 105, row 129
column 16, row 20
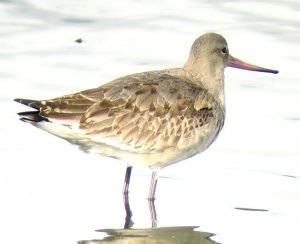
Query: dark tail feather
column 32, row 117
column 31, row 103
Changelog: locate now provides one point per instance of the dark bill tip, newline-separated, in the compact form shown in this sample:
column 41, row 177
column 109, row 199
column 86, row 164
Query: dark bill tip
column 239, row 64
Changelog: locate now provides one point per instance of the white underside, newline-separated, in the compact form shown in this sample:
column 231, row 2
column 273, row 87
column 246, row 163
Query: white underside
column 115, row 149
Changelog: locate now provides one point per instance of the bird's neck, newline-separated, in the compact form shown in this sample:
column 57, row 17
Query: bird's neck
column 211, row 80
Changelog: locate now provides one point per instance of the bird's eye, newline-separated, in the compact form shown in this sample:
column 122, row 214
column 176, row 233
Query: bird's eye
column 224, row 50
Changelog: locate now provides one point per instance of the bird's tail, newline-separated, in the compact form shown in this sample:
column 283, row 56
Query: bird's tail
column 30, row 116
column 28, row 102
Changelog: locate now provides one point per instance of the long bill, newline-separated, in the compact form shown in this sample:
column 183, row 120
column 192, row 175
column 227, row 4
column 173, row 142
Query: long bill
column 239, row 64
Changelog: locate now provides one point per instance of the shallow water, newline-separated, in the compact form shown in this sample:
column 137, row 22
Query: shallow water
column 244, row 189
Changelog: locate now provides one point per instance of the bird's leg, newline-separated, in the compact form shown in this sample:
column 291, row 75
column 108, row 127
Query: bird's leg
column 128, row 222
column 127, row 180
column 154, row 179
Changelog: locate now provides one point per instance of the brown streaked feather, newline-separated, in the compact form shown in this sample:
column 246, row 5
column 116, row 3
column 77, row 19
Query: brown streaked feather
column 145, row 112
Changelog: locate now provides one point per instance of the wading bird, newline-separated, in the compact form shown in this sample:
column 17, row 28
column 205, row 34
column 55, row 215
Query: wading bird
column 154, row 118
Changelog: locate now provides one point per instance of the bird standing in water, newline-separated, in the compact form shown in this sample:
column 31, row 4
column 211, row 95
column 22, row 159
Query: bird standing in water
column 153, row 118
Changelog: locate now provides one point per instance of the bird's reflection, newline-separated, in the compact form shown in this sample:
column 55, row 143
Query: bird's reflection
column 168, row 235
column 128, row 222
column 153, row 213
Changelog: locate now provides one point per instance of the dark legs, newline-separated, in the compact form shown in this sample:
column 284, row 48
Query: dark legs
column 126, row 198
column 127, row 180
column 153, row 185
column 151, row 198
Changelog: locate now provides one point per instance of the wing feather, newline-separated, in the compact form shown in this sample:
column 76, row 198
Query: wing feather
column 146, row 112
column 147, row 116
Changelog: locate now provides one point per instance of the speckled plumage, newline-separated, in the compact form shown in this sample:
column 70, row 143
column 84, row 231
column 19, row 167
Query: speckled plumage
column 153, row 118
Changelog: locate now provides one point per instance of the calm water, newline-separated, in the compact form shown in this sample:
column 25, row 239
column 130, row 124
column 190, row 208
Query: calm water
column 244, row 189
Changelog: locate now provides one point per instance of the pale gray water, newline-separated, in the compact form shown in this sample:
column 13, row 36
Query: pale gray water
column 53, row 193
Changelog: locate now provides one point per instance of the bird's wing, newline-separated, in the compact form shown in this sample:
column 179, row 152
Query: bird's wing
column 147, row 112
column 144, row 112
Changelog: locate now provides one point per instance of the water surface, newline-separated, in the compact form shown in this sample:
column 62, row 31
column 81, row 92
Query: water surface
column 244, row 189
